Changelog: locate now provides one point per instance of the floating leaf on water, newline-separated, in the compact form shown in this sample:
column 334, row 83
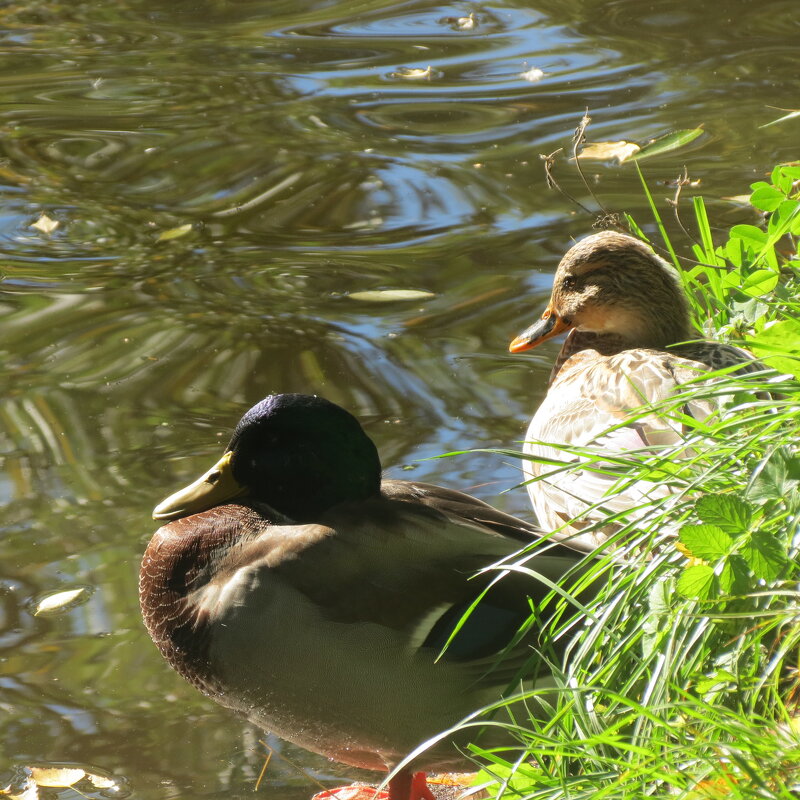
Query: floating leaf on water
column 466, row 23
column 791, row 115
column 413, row 73
column 60, row 777
column 606, row 151
column 738, row 199
column 664, row 144
column 45, row 224
column 57, row 777
column 174, row 233
column 533, row 74
column 60, row 601
column 102, row 781
column 390, row 295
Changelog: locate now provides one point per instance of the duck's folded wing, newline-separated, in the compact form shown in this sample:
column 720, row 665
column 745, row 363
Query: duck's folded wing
column 401, row 567
column 462, row 509
column 615, row 408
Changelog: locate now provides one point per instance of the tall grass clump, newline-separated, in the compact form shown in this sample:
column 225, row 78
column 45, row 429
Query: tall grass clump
column 682, row 677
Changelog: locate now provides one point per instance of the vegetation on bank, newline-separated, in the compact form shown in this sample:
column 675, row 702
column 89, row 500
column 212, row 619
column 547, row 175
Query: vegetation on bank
column 683, row 679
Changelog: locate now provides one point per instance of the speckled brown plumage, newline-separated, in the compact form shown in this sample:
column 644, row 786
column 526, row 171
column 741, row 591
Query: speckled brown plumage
column 628, row 346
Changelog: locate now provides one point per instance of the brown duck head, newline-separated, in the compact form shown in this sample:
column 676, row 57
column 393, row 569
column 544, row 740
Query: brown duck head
column 613, row 285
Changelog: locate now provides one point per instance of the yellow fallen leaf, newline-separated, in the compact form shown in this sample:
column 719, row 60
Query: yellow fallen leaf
column 45, row 224
column 413, row 73
column 58, row 601
column 57, row 777
column 693, row 561
column 174, row 233
column 101, row 781
column 466, row 23
column 605, row 151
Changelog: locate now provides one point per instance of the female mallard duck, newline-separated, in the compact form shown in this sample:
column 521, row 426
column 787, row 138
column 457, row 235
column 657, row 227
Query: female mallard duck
column 296, row 588
column 628, row 322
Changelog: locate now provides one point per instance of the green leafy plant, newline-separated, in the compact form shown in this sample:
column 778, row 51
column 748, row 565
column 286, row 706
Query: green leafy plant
column 735, row 551
column 682, row 678
column 744, row 288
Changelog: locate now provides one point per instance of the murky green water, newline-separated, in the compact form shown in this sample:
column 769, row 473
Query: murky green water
column 309, row 166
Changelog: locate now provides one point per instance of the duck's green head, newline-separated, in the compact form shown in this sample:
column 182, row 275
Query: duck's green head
column 298, row 454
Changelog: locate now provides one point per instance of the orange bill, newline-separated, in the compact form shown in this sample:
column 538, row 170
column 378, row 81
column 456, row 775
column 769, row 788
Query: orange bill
column 545, row 328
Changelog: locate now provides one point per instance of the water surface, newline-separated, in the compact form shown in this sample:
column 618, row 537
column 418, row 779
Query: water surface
column 310, row 163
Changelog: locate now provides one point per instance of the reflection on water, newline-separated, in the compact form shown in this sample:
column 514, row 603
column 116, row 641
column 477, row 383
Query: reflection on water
column 308, row 166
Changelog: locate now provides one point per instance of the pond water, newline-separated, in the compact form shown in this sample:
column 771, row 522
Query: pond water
column 225, row 175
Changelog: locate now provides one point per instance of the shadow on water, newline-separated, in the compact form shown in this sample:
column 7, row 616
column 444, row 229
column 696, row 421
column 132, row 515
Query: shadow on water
column 224, row 176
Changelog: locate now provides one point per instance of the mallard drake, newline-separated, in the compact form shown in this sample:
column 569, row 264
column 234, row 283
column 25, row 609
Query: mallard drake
column 295, row 587
column 628, row 346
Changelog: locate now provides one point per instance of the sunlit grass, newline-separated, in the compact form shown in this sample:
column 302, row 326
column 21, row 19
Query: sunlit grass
column 682, row 677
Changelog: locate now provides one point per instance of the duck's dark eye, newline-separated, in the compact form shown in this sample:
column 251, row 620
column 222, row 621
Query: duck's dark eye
column 568, row 283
